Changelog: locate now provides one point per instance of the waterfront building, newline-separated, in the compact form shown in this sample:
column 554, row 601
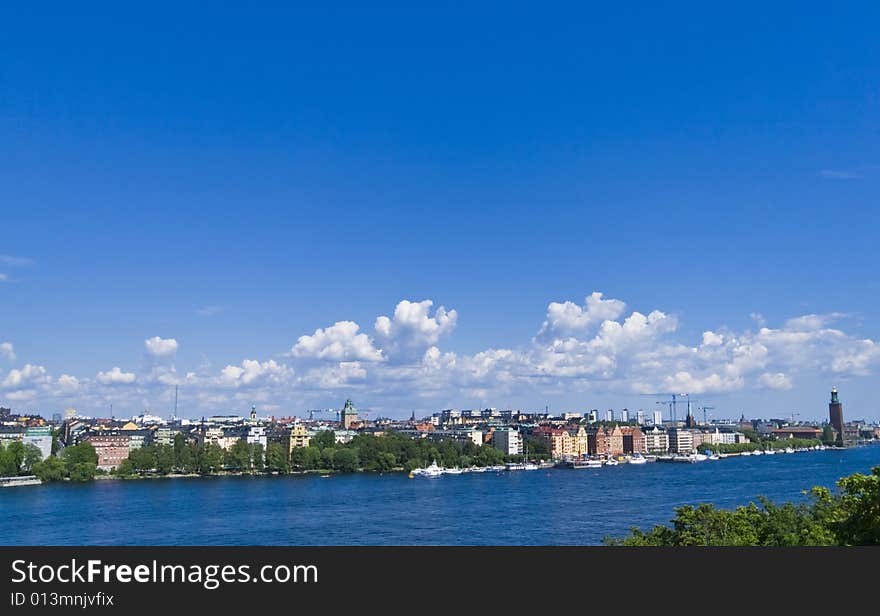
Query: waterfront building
column 615, row 441
column 558, row 441
column 681, row 440
column 656, row 440
column 572, row 416
column 657, row 418
column 624, row 415
column 580, row 442
column 41, row 438
column 599, row 442
column 165, row 435
column 609, row 415
column 508, row 440
column 112, row 447
column 633, row 440
column 809, row 432
column 835, row 412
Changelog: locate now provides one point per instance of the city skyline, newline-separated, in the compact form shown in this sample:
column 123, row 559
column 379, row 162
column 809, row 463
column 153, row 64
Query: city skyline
column 424, row 209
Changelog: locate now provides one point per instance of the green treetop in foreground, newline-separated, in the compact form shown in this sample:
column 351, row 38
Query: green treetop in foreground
column 849, row 517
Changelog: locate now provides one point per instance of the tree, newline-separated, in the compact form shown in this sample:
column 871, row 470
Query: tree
column 239, row 457
column 828, row 437
column 345, row 460
column 50, row 469
column 125, row 468
column 164, row 459
column 276, row 460
column 850, row 517
column 258, row 456
column 212, row 459
column 325, row 439
column 13, row 459
column 83, row 454
column 32, row 455
column 82, row 471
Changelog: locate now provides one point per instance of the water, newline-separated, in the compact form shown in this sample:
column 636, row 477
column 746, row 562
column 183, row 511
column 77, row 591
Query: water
column 546, row 507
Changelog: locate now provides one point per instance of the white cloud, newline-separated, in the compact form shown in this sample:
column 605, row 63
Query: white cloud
column 252, row 373
column 116, row 376
column 3, row 277
column 776, row 380
column 340, row 341
column 580, row 350
column 26, row 377
column 567, row 317
column 161, row 347
column 6, row 351
column 413, row 328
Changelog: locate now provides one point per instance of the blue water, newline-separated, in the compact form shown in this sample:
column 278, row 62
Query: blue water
column 547, row 507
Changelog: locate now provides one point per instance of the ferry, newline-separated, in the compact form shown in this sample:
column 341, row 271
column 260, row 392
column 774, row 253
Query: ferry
column 24, row 480
column 585, row 464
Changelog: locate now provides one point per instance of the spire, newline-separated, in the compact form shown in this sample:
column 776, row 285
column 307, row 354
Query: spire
column 834, row 399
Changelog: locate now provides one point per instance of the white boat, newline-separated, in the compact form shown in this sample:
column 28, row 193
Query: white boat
column 531, row 467
column 789, row 450
column 452, row 471
column 638, row 459
column 699, row 457
column 770, row 452
column 714, row 456
column 478, row 469
column 746, row 453
column 611, row 462
column 496, row 468
column 430, row 471
column 757, row 452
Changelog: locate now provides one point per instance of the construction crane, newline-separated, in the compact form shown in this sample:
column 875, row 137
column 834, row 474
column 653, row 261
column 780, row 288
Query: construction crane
column 705, row 409
column 674, row 399
column 793, row 415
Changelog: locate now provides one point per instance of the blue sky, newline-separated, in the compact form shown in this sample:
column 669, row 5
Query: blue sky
column 234, row 179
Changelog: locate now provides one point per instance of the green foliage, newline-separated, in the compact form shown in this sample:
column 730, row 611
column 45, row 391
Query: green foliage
column 32, row 455
column 324, row 440
column 849, row 517
column 50, row 469
column 11, row 459
column 276, row 458
column 82, row 471
column 80, row 462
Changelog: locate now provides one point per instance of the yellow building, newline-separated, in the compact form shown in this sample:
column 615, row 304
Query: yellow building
column 298, row 437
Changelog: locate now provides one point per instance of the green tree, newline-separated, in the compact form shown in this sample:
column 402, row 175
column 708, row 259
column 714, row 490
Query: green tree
column 258, row 455
column 32, row 455
column 346, row 460
column 82, row 471
column 239, row 456
column 164, row 459
column 82, row 456
column 50, row 469
column 324, row 440
column 211, row 459
column 125, row 469
column 14, row 458
column 276, row 460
